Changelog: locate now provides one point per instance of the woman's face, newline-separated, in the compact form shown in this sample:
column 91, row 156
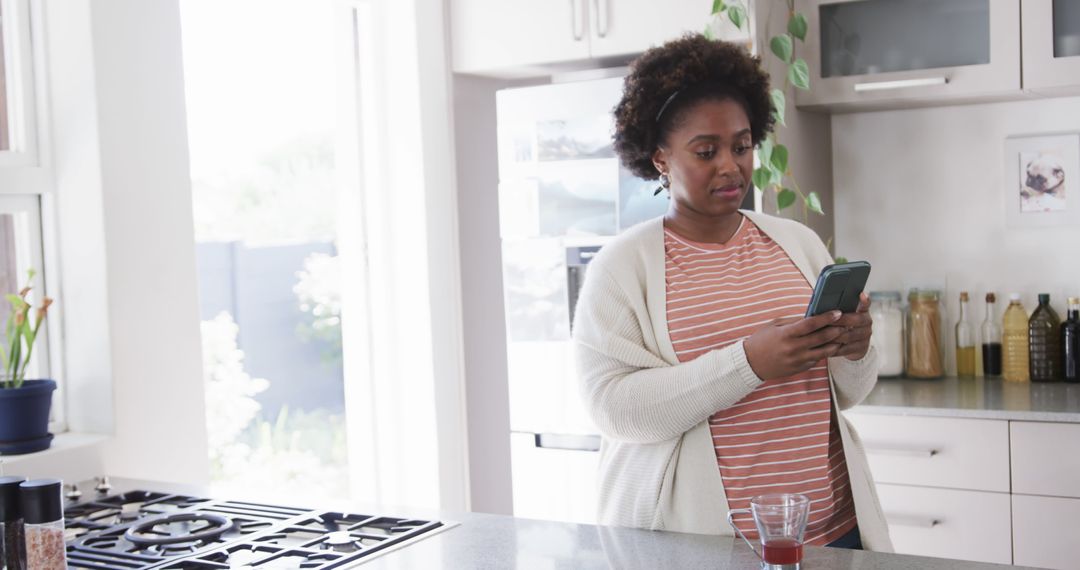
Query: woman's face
column 709, row 158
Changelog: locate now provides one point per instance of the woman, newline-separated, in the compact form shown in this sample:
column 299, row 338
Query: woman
column 707, row 383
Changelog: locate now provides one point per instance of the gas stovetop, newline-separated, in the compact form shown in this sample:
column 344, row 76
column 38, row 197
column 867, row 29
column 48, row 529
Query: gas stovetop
column 146, row 529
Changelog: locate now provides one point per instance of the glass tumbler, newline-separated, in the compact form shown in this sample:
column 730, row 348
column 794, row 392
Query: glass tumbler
column 781, row 523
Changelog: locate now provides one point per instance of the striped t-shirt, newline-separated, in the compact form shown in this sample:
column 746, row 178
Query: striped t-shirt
column 782, row 437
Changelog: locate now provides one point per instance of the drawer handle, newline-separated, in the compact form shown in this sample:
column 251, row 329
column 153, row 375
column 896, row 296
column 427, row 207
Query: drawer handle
column 904, row 451
column 909, row 520
column 567, row 442
column 900, row 84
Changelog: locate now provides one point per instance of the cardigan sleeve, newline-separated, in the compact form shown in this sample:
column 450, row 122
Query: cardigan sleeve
column 632, row 394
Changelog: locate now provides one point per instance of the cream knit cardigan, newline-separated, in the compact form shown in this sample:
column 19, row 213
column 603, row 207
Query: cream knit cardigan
column 657, row 465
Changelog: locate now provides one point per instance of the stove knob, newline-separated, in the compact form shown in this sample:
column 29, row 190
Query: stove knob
column 73, row 493
column 103, row 486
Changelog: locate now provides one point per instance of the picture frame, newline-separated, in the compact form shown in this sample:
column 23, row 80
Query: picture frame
column 1041, row 185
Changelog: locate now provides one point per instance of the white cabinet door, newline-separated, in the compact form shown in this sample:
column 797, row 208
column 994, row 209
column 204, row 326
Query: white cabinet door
column 936, row 452
column 1051, row 36
column 870, row 54
column 948, row 523
column 1045, row 458
column 490, row 35
column 621, row 27
column 1045, row 531
column 553, row 484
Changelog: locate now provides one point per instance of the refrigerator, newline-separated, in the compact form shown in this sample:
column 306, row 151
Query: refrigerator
column 562, row 195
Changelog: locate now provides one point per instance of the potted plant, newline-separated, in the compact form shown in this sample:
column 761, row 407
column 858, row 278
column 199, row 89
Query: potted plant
column 24, row 404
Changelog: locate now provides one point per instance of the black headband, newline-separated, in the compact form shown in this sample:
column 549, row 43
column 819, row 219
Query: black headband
column 698, row 89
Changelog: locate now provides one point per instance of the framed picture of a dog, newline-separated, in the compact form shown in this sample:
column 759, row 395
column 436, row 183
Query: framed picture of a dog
column 1042, row 180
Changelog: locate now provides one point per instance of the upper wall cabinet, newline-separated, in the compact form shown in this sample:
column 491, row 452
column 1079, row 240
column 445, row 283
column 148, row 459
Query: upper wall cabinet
column 513, row 37
column 1051, row 32
column 867, row 54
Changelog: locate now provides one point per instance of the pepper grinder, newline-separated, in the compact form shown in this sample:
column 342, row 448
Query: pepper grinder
column 12, row 549
column 42, row 502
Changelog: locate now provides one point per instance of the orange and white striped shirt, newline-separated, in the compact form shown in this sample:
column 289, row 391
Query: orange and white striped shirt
column 782, row 437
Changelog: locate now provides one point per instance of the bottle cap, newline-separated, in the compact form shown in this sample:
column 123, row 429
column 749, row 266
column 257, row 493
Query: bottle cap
column 1044, row 298
column 1014, row 296
column 9, row 498
column 884, row 295
column 42, row 500
column 963, row 296
column 1074, row 300
column 991, row 297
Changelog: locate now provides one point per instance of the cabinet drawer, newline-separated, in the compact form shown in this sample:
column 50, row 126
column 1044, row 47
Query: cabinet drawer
column 948, row 523
column 936, row 452
column 1046, row 458
column 1045, row 531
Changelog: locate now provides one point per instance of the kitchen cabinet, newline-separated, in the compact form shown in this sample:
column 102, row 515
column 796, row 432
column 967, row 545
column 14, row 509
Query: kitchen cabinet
column 948, row 523
column 1045, row 531
column 1051, row 50
column 969, row 488
column 865, row 54
column 515, row 37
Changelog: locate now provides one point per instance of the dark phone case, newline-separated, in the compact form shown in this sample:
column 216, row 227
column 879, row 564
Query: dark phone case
column 838, row 287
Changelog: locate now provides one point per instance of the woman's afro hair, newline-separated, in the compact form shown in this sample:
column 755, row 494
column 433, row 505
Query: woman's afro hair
column 684, row 65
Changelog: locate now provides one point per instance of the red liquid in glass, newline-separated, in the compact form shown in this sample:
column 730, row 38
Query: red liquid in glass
column 782, row 551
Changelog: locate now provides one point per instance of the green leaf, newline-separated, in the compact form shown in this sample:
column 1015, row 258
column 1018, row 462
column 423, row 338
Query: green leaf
column 799, row 74
column 737, row 15
column 708, row 33
column 813, row 201
column 779, row 103
column 782, row 47
column 840, row 259
column 765, row 151
column 761, row 178
column 718, row 6
column 779, row 158
column 784, row 199
column 796, row 26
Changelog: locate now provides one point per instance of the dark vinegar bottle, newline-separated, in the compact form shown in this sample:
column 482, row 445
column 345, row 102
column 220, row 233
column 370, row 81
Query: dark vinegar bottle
column 1070, row 343
column 991, row 340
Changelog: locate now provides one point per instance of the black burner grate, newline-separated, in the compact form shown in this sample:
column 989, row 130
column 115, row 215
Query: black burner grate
column 144, row 529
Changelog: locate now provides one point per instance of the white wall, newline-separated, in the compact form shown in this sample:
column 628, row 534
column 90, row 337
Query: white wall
column 918, row 193
column 123, row 200
column 487, row 390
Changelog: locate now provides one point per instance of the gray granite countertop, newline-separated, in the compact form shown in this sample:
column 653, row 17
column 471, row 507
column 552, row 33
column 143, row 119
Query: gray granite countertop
column 489, row 541
column 482, row 541
column 975, row 398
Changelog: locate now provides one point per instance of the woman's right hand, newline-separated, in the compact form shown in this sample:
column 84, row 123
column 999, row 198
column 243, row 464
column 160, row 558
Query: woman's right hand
column 791, row 345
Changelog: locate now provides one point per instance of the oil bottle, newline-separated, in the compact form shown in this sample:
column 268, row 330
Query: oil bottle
column 1015, row 341
column 1044, row 338
column 965, row 342
column 1070, row 343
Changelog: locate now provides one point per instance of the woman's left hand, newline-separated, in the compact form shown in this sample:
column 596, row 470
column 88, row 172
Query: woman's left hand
column 855, row 340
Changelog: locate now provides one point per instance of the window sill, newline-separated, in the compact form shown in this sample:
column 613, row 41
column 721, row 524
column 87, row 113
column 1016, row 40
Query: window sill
column 72, row 457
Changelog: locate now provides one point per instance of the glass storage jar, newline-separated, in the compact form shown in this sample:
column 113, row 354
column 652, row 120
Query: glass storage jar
column 924, row 356
column 888, row 332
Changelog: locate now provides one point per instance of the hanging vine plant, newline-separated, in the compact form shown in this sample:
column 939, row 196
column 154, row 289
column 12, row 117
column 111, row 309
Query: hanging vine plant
column 774, row 173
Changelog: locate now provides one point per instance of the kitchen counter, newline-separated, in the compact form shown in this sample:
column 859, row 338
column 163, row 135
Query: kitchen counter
column 475, row 540
column 488, row 541
column 975, row 398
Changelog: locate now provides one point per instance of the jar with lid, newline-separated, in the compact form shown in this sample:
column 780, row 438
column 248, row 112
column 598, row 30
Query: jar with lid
column 42, row 504
column 888, row 332
column 12, row 549
column 924, row 357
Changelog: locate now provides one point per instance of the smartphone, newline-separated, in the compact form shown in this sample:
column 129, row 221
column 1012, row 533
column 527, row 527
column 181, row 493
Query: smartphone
column 838, row 287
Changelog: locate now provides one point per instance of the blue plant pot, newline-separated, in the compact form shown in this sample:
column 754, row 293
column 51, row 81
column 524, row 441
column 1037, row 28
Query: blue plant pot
column 24, row 417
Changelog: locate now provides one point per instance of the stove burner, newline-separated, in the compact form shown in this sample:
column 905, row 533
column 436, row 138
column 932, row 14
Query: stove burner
column 145, row 534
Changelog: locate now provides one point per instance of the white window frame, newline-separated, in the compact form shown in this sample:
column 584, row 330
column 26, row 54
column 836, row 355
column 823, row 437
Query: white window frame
column 27, row 181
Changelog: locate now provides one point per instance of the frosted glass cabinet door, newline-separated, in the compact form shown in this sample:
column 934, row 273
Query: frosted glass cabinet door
column 889, row 53
column 1051, row 36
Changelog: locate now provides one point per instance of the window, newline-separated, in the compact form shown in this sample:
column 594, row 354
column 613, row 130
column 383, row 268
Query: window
column 261, row 125
column 25, row 189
